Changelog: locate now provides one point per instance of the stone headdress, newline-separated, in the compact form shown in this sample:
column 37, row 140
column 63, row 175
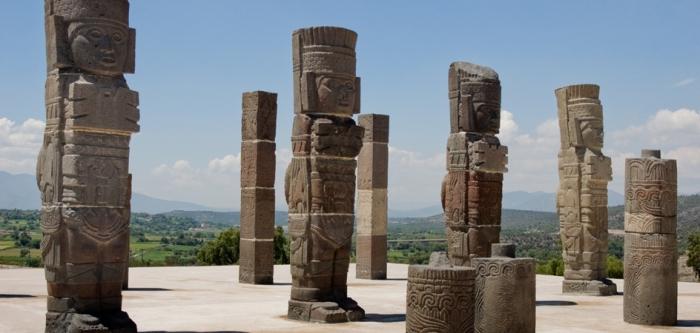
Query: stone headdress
column 468, row 83
column 319, row 51
column 575, row 104
column 60, row 14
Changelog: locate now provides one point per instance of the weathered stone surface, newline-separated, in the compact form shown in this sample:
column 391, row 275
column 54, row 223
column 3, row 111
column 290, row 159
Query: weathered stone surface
column 259, row 116
column 257, row 187
column 504, row 295
column 371, row 257
column 376, row 127
column 371, row 217
column 582, row 199
column 503, row 250
column 473, row 187
column 83, row 165
column 256, row 261
column 373, row 166
column 651, row 272
column 440, row 299
column 320, row 180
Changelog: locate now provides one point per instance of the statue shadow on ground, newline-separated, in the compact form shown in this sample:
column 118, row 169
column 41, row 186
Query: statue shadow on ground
column 148, row 289
column 555, row 303
column 688, row 323
column 385, row 318
column 16, row 296
column 282, row 284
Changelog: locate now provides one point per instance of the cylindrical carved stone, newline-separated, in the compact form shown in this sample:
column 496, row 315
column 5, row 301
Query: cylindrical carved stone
column 259, row 125
column 440, row 299
column 320, row 180
column 372, row 165
column 83, row 165
column 582, row 199
column 472, row 189
column 504, row 295
column 651, row 271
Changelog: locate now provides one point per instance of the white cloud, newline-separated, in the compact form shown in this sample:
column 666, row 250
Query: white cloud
column 508, row 126
column 228, row 163
column 685, row 82
column 20, row 144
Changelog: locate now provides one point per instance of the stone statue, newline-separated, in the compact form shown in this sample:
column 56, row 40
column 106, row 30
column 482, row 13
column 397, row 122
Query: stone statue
column 258, row 129
column 651, row 270
column 372, row 176
column 582, row 199
column 320, row 180
column 83, row 166
column 476, row 160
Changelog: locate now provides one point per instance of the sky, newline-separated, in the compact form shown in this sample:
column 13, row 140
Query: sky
column 195, row 58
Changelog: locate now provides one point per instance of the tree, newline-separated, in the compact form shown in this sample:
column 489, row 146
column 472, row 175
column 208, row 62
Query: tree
column 615, row 268
column 694, row 253
column 223, row 250
column 281, row 247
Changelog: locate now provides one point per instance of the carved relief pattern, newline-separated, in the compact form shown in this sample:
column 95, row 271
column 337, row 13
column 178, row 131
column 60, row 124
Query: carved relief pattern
column 440, row 300
column 651, row 271
column 472, row 189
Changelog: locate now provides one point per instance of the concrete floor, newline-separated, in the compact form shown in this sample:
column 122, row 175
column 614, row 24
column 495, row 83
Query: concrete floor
column 209, row 299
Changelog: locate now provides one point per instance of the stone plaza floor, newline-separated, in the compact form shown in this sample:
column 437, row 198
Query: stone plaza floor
column 209, row 299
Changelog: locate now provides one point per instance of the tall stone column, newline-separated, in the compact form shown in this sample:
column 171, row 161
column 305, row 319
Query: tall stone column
column 320, row 180
column 473, row 187
column 259, row 125
column 651, row 270
column 440, row 299
column 504, row 294
column 372, row 176
column 83, row 166
column 582, row 199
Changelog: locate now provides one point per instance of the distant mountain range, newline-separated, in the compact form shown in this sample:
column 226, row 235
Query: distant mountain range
column 20, row 191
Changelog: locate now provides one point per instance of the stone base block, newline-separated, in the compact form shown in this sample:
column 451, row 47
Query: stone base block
column 325, row 312
column 256, row 263
column 371, row 257
column 111, row 322
column 589, row 287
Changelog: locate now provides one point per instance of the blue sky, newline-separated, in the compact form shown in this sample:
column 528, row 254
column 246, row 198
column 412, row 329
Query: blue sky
column 195, row 58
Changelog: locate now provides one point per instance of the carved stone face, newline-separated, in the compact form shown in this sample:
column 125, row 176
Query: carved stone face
column 336, row 94
column 592, row 133
column 488, row 116
column 99, row 47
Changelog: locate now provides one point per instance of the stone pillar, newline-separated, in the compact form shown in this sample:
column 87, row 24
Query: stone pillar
column 320, row 180
column 83, row 165
column 476, row 160
column 582, row 199
column 651, row 272
column 258, row 128
column 372, row 174
column 504, row 292
column 440, row 299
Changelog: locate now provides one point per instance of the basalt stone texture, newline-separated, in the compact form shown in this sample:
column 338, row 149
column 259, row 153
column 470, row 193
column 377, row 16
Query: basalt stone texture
column 504, row 295
column 582, row 198
column 440, row 299
column 373, row 166
column 320, row 179
column 473, row 187
column 83, row 165
column 258, row 125
column 651, row 272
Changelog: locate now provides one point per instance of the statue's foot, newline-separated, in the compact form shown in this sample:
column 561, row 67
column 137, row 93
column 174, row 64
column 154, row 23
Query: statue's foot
column 111, row 322
column 353, row 311
column 326, row 312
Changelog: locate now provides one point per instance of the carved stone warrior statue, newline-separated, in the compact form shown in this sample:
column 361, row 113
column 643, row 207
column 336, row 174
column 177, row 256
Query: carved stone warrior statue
column 582, row 199
column 320, row 180
column 476, row 160
column 83, row 166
